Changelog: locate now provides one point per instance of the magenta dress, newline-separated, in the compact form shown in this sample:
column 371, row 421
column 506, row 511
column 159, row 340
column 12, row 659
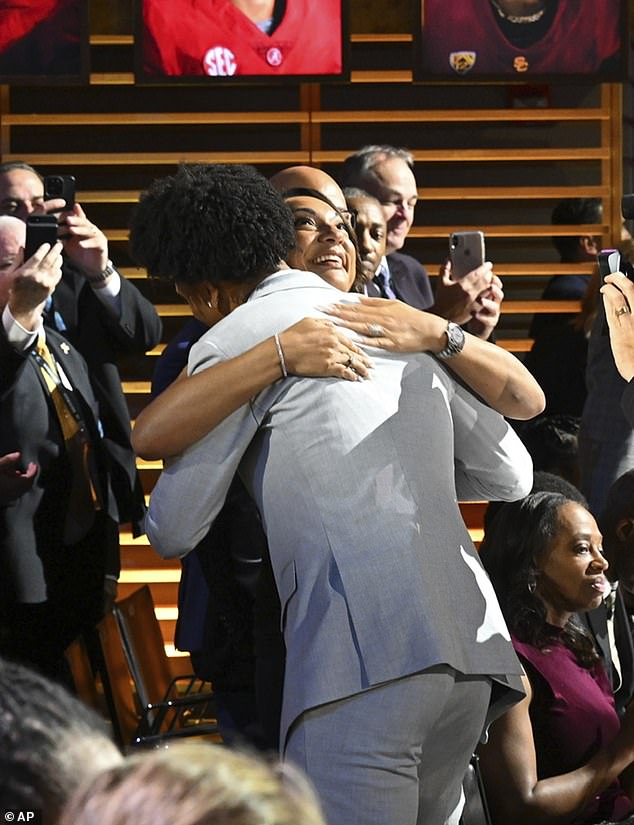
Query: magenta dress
column 573, row 716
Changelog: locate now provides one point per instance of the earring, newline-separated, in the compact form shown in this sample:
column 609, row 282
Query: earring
column 531, row 584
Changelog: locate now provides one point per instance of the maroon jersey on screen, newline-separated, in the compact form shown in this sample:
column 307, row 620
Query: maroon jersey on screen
column 464, row 37
column 214, row 38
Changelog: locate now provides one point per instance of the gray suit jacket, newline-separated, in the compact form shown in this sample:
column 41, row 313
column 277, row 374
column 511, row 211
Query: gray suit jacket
column 357, row 484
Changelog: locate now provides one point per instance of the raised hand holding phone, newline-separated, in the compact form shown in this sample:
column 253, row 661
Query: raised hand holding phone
column 466, row 252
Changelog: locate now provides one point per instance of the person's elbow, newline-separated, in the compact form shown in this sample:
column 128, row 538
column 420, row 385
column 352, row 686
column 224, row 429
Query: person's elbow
column 168, row 543
column 144, row 444
column 527, row 402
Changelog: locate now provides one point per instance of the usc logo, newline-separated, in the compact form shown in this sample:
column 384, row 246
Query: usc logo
column 520, row 64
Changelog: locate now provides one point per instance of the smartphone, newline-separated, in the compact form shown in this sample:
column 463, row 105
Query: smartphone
column 466, row 252
column 39, row 229
column 60, row 186
column 609, row 261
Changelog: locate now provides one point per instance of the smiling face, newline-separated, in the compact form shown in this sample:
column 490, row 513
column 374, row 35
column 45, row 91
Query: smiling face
column 570, row 575
column 323, row 244
column 371, row 232
column 393, row 183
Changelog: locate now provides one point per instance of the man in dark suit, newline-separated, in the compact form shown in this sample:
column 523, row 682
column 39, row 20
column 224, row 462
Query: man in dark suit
column 617, row 526
column 59, row 538
column 100, row 312
column 386, row 172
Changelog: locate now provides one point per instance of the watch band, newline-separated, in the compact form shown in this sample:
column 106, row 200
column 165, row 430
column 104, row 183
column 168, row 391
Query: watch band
column 455, row 341
column 103, row 275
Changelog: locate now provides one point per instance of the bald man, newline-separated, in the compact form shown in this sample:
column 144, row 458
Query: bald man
column 308, row 177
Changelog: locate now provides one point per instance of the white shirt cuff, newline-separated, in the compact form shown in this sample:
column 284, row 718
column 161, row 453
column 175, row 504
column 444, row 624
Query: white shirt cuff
column 19, row 337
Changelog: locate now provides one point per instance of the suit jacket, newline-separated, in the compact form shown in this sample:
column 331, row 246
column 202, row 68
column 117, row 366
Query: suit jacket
column 606, row 437
column 597, row 622
column 559, row 288
column 357, row 484
column 103, row 338
column 32, row 554
column 627, row 402
column 410, row 281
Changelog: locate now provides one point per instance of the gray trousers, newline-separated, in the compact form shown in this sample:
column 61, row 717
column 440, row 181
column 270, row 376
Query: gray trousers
column 395, row 754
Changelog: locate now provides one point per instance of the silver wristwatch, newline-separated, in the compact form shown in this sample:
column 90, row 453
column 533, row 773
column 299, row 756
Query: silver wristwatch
column 455, row 341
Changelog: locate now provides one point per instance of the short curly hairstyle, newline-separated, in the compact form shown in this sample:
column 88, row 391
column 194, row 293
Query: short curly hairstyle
column 210, row 223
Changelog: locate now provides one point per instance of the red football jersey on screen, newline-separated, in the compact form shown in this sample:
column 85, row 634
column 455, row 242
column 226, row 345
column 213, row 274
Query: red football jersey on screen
column 214, row 38
column 463, row 37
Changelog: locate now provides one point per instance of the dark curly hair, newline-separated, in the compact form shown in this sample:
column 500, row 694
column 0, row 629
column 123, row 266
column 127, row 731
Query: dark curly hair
column 518, row 538
column 210, row 223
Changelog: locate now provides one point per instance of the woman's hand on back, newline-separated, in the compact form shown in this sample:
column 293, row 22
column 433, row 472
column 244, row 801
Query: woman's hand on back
column 391, row 325
column 315, row 347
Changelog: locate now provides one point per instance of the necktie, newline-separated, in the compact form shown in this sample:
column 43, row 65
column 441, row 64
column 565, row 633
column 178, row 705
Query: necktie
column 380, row 279
column 84, row 498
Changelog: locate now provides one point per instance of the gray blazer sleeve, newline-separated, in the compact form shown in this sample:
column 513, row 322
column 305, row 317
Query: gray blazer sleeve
column 490, row 460
column 192, row 487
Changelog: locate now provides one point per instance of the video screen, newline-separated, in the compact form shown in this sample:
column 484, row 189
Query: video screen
column 521, row 39
column 225, row 40
column 43, row 41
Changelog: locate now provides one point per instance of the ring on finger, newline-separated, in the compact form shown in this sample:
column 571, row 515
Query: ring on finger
column 622, row 310
column 375, row 330
column 349, row 363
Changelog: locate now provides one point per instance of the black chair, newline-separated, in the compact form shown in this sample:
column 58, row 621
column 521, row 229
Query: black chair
column 169, row 706
column 476, row 810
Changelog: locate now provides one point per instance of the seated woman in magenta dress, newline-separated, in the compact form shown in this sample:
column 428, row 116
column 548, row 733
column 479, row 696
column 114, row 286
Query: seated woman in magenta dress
column 560, row 755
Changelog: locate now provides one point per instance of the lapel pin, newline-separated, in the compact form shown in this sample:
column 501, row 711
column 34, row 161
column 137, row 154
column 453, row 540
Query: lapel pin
column 64, row 348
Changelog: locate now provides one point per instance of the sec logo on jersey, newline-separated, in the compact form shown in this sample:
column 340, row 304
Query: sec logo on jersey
column 219, row 62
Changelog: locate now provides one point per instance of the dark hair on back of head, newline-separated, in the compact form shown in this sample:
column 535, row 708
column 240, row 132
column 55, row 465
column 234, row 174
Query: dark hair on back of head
column 211, row 223
column 551, row 441
column 619, row 504
column 517, row 538
column 543, row 482
column 49, row 742
column 574, row 211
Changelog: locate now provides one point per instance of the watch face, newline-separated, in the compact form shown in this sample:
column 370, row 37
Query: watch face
column 455, row 337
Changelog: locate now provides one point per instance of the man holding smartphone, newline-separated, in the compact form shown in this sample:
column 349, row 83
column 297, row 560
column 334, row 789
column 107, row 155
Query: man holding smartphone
column 387, row 173
column 58, row 531
column 101, row 313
